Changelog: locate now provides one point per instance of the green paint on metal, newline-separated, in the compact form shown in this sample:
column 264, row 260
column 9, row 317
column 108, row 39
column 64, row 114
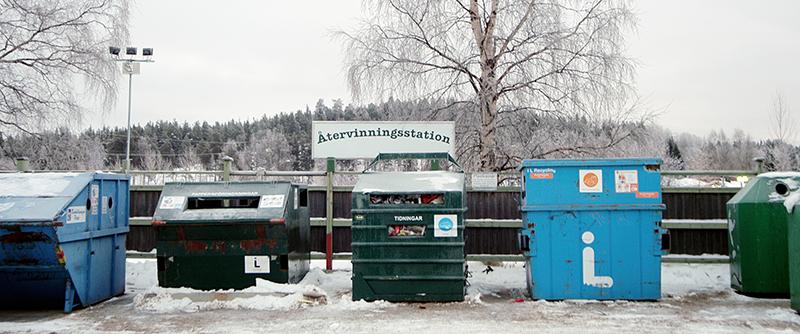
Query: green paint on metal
column 428, row 263
column 758, row 236
column 794, row 257
column 224, row 235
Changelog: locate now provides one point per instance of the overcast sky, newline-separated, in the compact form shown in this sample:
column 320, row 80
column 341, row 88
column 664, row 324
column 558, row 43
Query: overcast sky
column 705, row 65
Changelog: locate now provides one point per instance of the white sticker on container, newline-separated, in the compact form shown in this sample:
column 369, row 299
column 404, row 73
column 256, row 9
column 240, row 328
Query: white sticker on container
column 105, row 205
column 256, row 264
column 626, row 181
column 590, row 180
column 271, row 201
column 93, row 197
column 172, row 202
column 445, row 226
column 76, row 214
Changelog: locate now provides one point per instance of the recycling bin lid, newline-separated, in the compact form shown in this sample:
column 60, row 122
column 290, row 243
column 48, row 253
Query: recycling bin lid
column 588, row 162
column 223, row 201
column 40, row 197
column 409, row 182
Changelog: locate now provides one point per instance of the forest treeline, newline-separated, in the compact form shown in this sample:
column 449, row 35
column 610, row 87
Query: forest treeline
column 283, row 141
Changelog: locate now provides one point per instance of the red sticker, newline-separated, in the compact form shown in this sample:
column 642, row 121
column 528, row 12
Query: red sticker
column 652, row 194
column 541, row 176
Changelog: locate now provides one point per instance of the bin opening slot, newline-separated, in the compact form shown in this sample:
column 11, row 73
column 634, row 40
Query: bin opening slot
column 247, row 202
column 303, row 198
column 424, row 199
column 406, row 230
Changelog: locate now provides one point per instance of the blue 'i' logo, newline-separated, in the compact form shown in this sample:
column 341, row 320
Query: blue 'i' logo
column 445, row 224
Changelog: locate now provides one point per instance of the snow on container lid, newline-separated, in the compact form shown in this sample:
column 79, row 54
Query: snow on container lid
column 409, row 182
column 42, row 184
column 40, row 197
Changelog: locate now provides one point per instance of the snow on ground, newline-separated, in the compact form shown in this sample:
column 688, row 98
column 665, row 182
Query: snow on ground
column 696, row 298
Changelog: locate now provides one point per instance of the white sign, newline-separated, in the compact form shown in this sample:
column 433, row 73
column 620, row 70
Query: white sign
column 445, row 226
column 256, row 264
column 76, row 214
column 626, row 181
column 172, row 202
column 271, row 201
column 130, row 68
column 484, row 181
column 105, row 205
column 364, row 140
column 590, row 180
column 93, row 197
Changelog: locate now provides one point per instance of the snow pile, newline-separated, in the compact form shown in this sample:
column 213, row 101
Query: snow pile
column 689, row 279
column 791, row 200
column 266, row 295
column 316, row 288
column 686, row 183
column 505, row 280
column 345, row 303
column 140, row 275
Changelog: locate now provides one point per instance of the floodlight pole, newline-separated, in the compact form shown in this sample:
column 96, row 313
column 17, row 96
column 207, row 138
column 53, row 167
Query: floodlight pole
column 129, row 69
column 128, row 146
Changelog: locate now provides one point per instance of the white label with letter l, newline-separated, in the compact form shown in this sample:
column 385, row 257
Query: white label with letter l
column 256, row 264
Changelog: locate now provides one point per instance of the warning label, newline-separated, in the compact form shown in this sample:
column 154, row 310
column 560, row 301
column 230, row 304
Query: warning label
column 626, row 181
column 590, row 180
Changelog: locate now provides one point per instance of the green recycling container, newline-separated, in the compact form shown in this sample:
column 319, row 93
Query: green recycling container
column 224, row 235
column 794, row 254
column 408, row 236
column 757, row 235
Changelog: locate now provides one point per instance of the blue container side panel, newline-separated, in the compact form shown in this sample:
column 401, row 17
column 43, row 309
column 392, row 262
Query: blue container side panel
column 30, row 274
column 92, row 238
column 622, row 248
column 594, row 228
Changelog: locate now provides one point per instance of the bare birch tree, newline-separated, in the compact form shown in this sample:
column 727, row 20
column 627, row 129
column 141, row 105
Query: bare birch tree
column 782, row 124
column 51, row 52
column 499, row 56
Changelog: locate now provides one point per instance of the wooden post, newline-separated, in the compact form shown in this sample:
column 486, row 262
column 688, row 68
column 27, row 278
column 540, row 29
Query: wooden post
column 226, row 168
column 23, row 164
column 330, row 169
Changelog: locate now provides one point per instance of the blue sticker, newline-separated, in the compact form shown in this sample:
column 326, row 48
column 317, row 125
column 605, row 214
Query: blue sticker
column 445, row 224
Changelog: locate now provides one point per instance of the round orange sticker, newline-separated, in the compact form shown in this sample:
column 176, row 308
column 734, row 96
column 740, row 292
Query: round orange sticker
column 590, row 180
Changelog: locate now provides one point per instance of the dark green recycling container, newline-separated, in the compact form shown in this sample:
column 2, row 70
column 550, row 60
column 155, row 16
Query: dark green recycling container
column 757, row 235
column 408, row 237
column 224, row 235
column 794, row 252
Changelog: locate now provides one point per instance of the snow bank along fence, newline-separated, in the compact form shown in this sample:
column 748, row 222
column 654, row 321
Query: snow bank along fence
column 695, row 216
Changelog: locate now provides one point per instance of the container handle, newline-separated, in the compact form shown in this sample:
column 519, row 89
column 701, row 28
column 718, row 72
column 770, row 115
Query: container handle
column 524, row 242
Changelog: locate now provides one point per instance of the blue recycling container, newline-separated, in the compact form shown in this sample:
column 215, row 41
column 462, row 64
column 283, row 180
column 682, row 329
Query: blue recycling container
column 591, row 228
column 62, row 239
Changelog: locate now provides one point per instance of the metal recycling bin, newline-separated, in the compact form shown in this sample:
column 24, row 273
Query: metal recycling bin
column 591, row 228
column 794, row 252
column 224, row 235
column 757, row 235
column 408, row 237
column 62, row 239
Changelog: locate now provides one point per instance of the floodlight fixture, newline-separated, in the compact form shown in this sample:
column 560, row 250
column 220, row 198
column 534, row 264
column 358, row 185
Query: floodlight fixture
column 147, row 52
column 113, row 50
column 131, row 51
